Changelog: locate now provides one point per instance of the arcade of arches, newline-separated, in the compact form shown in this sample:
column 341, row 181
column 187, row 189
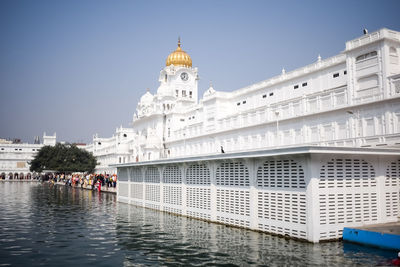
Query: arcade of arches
column 17, row 176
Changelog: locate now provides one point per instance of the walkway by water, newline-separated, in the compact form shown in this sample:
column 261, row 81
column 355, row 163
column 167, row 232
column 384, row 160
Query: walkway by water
column 105, row 189
column 56, row 225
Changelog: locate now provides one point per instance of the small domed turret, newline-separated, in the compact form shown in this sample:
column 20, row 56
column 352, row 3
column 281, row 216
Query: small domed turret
column 146, row 99
column 209, row 91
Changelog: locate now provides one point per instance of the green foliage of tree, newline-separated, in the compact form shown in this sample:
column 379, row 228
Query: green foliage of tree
column 63, row 158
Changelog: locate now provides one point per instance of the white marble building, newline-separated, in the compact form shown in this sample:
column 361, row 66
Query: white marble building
column 15, row 158
column 112, row 150
column 303, row 154
column 351, row 99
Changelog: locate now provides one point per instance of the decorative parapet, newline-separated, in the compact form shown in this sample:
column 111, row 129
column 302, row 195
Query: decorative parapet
column 318, row 65
column 372, row 37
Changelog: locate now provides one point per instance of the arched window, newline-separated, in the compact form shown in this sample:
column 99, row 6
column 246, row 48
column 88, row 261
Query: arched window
column 366, row 56
column 393, row 56
column 393, row 51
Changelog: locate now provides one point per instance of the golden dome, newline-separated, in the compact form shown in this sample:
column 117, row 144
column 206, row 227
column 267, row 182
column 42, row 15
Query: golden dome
column 179, row 57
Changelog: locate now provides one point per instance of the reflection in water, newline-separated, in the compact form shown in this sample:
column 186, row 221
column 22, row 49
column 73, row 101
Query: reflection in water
column 169, row 239
column 43, row 224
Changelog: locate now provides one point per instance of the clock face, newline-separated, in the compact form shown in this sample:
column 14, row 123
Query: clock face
column 184, row 76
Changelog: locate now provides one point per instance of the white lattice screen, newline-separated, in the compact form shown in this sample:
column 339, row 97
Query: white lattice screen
column 339, row 208
column 123, row 174
column 136, row 174
column 347, row 194
column 198, row 174
column 172, row 195
column 152, row 175
column 282, row 206
column 349, row 190
column 392, row 190
column 123, row 190
column 233, row 204
column 280, row 174
column 137, row 191
column 198, row 198
column 352, row 173
column 232, row 174
column 172, row 175
column 280, row 211
column 152, row 192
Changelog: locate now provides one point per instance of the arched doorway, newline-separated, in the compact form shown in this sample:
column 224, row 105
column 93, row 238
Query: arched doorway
column 10, row 176
column 29, row 176
column 3, row 175
column 21, row 176
column 16, row 175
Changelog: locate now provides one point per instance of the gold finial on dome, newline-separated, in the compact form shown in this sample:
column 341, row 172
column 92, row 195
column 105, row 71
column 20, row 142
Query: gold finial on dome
column 179, row 57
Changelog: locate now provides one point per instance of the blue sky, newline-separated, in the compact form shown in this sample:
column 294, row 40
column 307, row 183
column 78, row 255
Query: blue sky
column 79, row 67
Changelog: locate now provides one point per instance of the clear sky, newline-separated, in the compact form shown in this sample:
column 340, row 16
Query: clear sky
column 80, row 67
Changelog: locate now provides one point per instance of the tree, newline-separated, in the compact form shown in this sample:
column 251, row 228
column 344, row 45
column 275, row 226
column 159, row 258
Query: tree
column 63, row 158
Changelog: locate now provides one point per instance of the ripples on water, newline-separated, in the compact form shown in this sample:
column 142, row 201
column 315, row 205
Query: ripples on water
column 50, row 225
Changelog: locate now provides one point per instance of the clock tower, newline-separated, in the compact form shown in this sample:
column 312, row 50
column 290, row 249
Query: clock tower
column 179, row 80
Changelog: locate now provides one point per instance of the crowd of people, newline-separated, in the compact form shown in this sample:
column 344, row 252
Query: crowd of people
column 91, row 181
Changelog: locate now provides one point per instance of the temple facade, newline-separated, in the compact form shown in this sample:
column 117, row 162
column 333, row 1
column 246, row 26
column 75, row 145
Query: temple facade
column 303, row 154
column 348, row 100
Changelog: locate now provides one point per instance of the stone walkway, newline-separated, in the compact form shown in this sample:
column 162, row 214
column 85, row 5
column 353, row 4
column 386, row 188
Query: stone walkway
column 106, row 189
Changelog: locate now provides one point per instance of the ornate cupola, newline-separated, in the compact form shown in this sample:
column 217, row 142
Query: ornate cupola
column 179, row 57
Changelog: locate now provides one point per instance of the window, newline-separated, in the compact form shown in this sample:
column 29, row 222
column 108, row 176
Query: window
column 367, row 55
column 238, row 104
column 271, row 94
column 177, row 93
column 166, row 77
column 182, row 119
column 335, row 75
column 183, row 93
column 304, row 84
column 345, row 72
column 99, row 143
column 125, row 135
column 190, row 94
column 392, row 51
column 244, row 102
column 370, row 127
column 296, row 86
column 264, row 96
